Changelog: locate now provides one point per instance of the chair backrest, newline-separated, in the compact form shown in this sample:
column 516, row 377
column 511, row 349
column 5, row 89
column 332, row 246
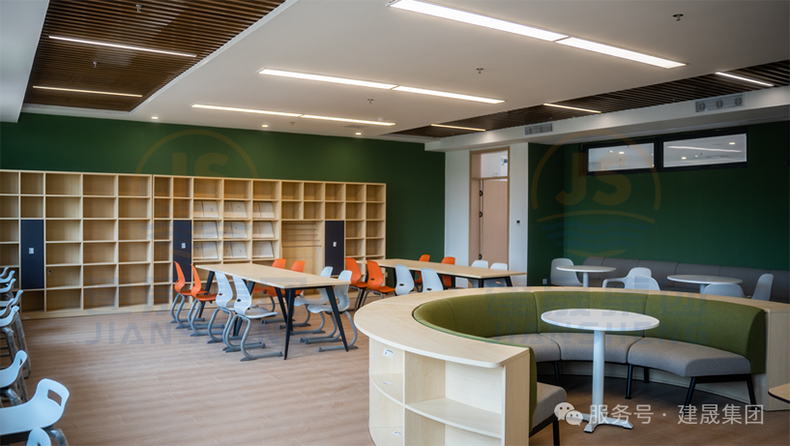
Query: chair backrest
column 196, row 284
column 375, row 277
column 763, row 289
column 341, row 291
column 502, row 266
column 40, row 411
column 278, row 263
column 6, row 320
column 447, row 281
column 405, row 283
column 496, row 283
column 353, row 266
column 298, row 266
column 430, row 280
column 8, row 287
column 628, row 280
column 243, row 299
column 480, row 264
column 326, row 272
column 180, row 279
column 225, row 291
column 5, row 270
column 14, row 302
column 563, row 278
column 645, row 283
column 724, row 289
column 38, row 437
column 10, row 374
column 425, row 258
column 8, row 277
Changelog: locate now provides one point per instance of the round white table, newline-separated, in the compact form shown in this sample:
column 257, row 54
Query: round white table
column 599, row 321
column 703, row 281
column 586, row 269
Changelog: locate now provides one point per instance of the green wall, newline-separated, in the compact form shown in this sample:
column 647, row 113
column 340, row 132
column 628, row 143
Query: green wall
column 726, row 216
column 544, row 211
column 414, row 177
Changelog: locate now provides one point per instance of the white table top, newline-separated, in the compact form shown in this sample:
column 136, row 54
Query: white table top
column 275, row 277
column 471, row 272
column 599, row 320
column 702, row 280
column 586, row 268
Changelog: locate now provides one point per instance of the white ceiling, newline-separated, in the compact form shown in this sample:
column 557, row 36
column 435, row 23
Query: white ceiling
column 364, row 39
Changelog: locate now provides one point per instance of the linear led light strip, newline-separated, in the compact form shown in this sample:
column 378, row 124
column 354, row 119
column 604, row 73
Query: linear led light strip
column 570, row 108
column 502, row 25
column 741, row 78
column 125, row 47
column 40, row 87
column 703, row 149
column 361, row 83
column 458, row 127
column 293, row 115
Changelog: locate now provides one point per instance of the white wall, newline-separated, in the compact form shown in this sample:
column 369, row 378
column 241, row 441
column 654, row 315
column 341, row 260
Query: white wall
column 456, row 214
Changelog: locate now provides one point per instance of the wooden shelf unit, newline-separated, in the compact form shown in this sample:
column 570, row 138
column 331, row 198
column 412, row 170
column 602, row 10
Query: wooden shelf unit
column 108, row 237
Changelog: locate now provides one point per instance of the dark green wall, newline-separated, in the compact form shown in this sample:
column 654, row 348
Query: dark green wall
column 414, row 177
column 545, row 213
column 724, row 216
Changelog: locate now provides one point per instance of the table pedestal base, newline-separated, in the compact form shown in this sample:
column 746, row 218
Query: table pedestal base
column 603, row 420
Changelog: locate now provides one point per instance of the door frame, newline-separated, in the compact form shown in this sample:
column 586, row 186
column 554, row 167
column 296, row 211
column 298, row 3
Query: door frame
column 472, row 256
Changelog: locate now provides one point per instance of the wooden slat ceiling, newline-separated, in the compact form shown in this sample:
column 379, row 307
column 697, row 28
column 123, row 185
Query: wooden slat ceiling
column 700, row 87
column 196, row 27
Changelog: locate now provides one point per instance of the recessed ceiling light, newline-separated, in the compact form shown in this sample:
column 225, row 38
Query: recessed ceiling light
column 570, row 108
column 154, row 117
column 355, row 121
column 619, row 52
column 358, row 133
column 266, row 126
column 124, row 47
column 458, row 127
column 683, row 157
column 741, row 78
column 245, row 110
column 732, row 143
column 322, row 78
column 445, row 94
column 88, row 91
column 475, row 19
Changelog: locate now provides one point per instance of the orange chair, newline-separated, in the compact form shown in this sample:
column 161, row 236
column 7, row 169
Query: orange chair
column 179, row 299
column 198, row 294
column 278, row 263
column 375, row 282
column 447, row 281
column 417, row 276
column 356, row 276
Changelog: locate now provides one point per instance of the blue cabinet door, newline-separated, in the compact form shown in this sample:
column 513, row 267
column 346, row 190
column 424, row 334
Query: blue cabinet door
column 334, row 253
column 182, row 247
column 31, row 261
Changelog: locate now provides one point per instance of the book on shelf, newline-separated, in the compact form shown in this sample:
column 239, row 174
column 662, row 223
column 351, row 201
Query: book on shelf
column 263, row 209
column 198, row 209
column 210, row 209
column 209, row 250
column 238, row 229
column 239, row 209
column 227, row 209
column 227, row 251
column 208, row 229
column 262, row 250
column 239, row 250
column 263, row 229
column 197, row 251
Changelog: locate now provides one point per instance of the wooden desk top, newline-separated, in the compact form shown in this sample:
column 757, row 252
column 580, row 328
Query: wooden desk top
column 781, row 392
column 275, row 277
column 471, row 272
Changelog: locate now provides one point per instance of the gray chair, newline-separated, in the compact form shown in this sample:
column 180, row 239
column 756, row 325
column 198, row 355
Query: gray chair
column 763, row 289
column 495, row 283
column 12, row 385
column 244, row 311
column 628, row 280
column 305, row 301
column 405, row 282
column 224, row 303
column 563, row 278
column 431, row 280
column 477, row 264
column 41, row 412
column 724, row 289
column 343, row 303
column 645, row 283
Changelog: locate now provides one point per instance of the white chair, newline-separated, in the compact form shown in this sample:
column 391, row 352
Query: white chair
column 724, row 289
column 763, row 289
column 494, row 283
column 224, row 303
column 645, row 283
column 38, row 437
column 6, row 288
column 41, row 412
column 405, row 282
column 7, row 278
column 11, row 329
column 431, row 280
column 243, row 309
column 477, row 264
column 343, row 303
column 304, row 301
column 628, row 280
column 12, row 385
column 563, row 278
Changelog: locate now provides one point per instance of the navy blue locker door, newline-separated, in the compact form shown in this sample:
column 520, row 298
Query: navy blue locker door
column 334, row 252
column 31, row 261
column 182, row 247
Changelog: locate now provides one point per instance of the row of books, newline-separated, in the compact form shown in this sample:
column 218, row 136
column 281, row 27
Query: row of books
column 235, row 229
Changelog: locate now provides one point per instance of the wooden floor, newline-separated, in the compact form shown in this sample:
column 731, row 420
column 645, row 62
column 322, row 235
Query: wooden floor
column 135, row 380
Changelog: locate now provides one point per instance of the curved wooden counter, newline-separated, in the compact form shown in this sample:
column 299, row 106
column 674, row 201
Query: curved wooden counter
column 430, row 387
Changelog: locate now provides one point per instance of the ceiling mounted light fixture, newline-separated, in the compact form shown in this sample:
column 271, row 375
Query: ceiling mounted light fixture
column 123, row 47
column 475, row 19
column 355, row 121
column 619, row 52
column 40, row 87
column 245, row 110
column 570, row 108
column 322, row 78
column 458, row 127
column 445, row 94
column 746, row 79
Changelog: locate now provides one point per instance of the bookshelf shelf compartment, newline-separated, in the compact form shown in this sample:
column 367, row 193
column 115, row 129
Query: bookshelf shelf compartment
column 375, row 211
column 134, row 230
column 162, row 272
column 376, row 193
column 9, row 183
column 9, row 231
column 63, row 207
column 265, row 190
column 99, row 297
column 314, row 191
column 206, row 250
column 63, row 231
column 70, row 299
column 236, row 250
column 94, row 185
column 162, row 230
column 162, row 186
column 9, row 255
column 9, row 207
column 207, row 188
column 263, row 210
column 63, row 276
column 98, row 230
column 129, row 252
column 162, row 294
column 355, row 229
column 236, row 210
column 63, row 184
column 236, row 189
column 263, row 229
column 335, row 192
column 162, row 208
column 32, row 184
column 99, row 275
column 334, row 211
column 133, row 295
column 134, row 185
column 238, row 230
column 355, row 211
column 133, row 273
column 162, row 251
column 98, row 207
column 355, row 192
column 33, row 301
column 32, row 207
column 98, row 253
column 181, row 209
column 263, row 250
column 292, row 190
column 63, row 254
column 292, row 210
column 134, row 208
column 313, row 211
column 374, row 229
column 182, row 187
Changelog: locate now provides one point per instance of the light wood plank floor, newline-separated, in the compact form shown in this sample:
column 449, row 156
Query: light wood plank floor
column 134, row 379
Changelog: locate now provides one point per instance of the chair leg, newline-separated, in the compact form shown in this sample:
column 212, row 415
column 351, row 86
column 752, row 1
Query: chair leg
column 334, row 336
column 22, row 343
column 318, row 330
column 178, row 302
column 557, row 373
column 226, row 335
column 628, row 381
column 646, row 374
column 182, row 323
column 245, row 346
column 215, row 339
column 690, row 393
column 59, row 436
column 351, row 345
column 555, row 429
column 750, row 386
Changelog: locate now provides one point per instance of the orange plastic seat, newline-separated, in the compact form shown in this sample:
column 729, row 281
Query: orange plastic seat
column 375, row 282
column 448, row 281
column 199, row 295
column 278, row 263
column 298, row 267
column 356, row 274
column 179, row 300
column 417, row 275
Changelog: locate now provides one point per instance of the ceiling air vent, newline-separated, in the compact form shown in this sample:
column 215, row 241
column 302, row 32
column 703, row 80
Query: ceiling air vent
column 538, row 128
column 719, row 103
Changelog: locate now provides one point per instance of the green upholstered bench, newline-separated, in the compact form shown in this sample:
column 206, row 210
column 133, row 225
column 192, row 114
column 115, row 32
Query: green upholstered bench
column 692, row 340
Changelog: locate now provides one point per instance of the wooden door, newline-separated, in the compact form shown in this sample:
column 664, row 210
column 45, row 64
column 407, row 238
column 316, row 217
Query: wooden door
column 493, row 223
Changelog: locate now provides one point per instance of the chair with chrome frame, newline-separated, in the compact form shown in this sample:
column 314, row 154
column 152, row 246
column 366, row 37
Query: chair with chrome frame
column 199, row 299
column 496, row 283
column 12, row 384
column 356, row 278
column 302, row 301
column 343, row 304
column 431, row 281
column 179, row 300
column 417, row 276
column 448, row 282
column 41, row 412
column 243, row 310
column 224, row 301
column 404, row 280
column 375, row 283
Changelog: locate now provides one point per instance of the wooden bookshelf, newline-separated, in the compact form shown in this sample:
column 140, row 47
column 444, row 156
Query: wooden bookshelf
column 108, row 238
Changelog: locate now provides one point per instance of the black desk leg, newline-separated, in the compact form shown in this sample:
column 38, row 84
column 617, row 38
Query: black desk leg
column 480, row 283
column 508, row 282
column 282, row 303
column 290, row 295
column 330, row 291
column 209, row 282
